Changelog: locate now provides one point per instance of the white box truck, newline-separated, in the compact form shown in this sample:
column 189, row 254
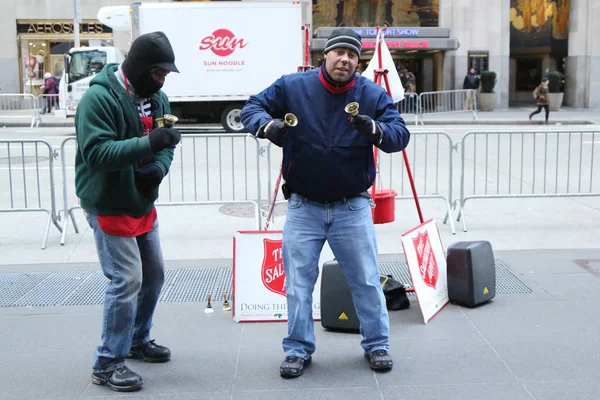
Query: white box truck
column 225, row 51
column 81, row 65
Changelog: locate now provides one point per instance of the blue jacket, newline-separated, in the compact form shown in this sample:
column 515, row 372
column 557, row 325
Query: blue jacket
column 324, row 157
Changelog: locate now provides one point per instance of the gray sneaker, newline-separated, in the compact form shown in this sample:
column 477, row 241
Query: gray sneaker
column 380, row 360
column 293, row 367
column 121, row 379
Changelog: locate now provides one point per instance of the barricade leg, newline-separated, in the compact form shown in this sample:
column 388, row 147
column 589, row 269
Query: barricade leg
column 257, row 216
column 55, row 221
column 72, row 216
column 448, row 217
column 47, row 230
column 461, row 214
column 68, row 214
column 63, row 236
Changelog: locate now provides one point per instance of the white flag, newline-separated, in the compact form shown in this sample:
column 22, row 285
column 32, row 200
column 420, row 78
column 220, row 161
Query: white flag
column 396, row 88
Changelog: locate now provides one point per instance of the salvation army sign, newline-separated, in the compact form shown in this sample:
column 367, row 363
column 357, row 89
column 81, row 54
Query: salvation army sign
column 273, row 275
column 259, row 285
column 427, row 267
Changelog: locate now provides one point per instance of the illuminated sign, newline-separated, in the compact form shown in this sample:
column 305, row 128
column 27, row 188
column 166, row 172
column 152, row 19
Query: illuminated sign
column 399, row 44
column 390, row 32
column 394, row 32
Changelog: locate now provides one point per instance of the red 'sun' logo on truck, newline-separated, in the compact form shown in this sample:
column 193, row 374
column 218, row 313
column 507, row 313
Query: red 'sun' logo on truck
column 222, row 42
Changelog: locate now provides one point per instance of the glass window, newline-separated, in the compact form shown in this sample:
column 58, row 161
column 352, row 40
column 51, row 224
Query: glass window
column 479, row 60
column 86, row 63
column 327, row 13
column 34, row 57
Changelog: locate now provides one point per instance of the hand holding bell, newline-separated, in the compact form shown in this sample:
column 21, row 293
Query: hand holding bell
column 363, row 124
column 167, row 121
column 276, row 130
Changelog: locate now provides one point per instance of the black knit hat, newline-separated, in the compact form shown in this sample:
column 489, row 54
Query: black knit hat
column 149, row 51
column 345, row 38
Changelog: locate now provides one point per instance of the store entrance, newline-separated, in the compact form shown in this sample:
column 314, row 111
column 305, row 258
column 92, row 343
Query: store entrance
column 419, row 71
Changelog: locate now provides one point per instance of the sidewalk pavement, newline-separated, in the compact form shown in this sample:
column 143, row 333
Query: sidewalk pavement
column 514, row 116
column 507, row 116
column 540, row 345
column 536, row 340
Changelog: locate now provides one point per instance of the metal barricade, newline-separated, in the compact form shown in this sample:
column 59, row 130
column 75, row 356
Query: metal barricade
column 20, row 106
column 46, row 102
column 430, row 154
column 448, row 101
column 68, row 188
column 240, row 169
column 207, row 169
column 30, row 188
column 214, row 169
column 519, row 164
column 410, row 106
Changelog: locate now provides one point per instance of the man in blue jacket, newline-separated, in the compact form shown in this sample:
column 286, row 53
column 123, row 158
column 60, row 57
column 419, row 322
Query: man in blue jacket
column 328, row 167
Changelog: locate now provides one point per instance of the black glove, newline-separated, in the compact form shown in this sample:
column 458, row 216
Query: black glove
column 148, row 176
column 367, row 127
column 162, row 138
column 275, row 131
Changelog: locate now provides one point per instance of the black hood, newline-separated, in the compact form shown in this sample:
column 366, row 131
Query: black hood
column 148, row 51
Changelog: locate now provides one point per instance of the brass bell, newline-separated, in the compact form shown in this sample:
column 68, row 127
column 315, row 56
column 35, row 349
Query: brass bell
column 167, row 121
column 352, row 108
column 226, row 306
column 208, row 308
column 290, row 120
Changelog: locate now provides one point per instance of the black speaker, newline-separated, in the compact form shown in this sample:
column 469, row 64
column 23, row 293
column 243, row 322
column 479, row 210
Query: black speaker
column 337, row 307
column 471, row 273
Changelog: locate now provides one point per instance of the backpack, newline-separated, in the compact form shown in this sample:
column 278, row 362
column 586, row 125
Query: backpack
column 394, row 292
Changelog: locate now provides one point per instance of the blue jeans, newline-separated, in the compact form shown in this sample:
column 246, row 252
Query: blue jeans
column 348, row 228
column 136, row 271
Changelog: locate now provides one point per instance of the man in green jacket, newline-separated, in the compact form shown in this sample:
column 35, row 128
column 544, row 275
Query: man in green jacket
column 121, row 160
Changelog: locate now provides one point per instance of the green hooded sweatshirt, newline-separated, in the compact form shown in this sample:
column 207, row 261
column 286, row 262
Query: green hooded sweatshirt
column 108, row 129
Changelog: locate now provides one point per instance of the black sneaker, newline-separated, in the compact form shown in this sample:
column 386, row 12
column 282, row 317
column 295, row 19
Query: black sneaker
column 150, row 352
column 293, row 367
column 380, row 360
column 121, row 379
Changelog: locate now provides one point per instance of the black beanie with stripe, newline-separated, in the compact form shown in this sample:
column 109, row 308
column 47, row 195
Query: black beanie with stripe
column 344, row 38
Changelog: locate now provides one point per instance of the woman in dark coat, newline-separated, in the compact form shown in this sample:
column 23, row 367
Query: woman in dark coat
column 541, row 95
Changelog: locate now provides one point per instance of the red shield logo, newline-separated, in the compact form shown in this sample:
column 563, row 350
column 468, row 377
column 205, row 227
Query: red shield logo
column 427, row 263
column 273, row 275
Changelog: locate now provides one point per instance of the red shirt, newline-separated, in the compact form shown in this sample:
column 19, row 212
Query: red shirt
column 125, row 225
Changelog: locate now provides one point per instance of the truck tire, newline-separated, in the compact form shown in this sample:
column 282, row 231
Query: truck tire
column 231, row 118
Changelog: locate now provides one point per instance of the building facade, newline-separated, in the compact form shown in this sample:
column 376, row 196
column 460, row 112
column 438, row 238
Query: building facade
column 436, row 41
